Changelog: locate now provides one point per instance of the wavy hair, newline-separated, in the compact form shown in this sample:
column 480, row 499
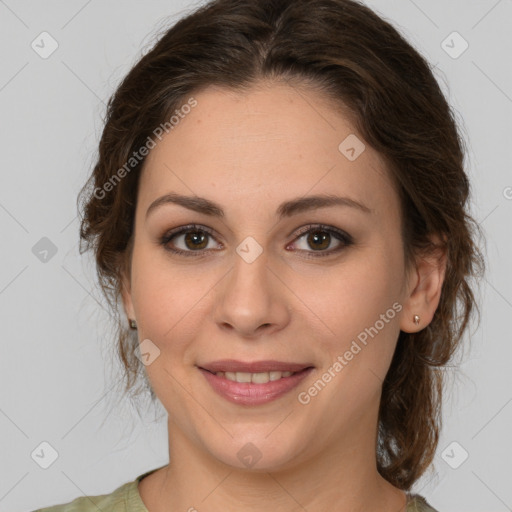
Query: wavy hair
column 360, row 61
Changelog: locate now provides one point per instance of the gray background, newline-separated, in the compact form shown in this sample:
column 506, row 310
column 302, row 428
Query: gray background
column 56, row 368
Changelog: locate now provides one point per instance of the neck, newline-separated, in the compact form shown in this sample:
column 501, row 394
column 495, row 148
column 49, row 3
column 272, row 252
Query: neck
column 343, row 478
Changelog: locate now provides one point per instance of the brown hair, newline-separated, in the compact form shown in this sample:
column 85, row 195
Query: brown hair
column 360, row 61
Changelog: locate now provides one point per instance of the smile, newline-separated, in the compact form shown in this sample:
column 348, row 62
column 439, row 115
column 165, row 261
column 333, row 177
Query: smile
column 254, row 388
column 255, row 378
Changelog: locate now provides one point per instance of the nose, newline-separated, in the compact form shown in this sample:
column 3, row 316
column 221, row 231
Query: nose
column 251, row 300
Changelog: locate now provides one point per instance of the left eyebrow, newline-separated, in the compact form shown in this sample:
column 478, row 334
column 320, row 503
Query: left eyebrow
column 302, row 204
column 286, row 209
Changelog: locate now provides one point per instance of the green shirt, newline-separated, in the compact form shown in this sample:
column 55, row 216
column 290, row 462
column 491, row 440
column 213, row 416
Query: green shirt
column 126, row 498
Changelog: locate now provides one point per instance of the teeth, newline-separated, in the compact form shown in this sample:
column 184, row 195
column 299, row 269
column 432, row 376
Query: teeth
column 255, row 378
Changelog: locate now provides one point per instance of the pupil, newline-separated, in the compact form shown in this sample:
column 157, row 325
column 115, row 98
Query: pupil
column 314, row 238
column 195, row 237
column 319, row 238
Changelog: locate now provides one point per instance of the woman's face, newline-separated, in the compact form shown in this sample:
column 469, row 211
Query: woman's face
column 255, row 287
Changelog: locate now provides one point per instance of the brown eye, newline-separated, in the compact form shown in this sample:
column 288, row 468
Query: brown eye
column 193, row 240
column 196, row 240
column 319, row 239
column 189, row 241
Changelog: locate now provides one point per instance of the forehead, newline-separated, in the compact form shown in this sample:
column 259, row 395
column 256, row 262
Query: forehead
column 271, row 142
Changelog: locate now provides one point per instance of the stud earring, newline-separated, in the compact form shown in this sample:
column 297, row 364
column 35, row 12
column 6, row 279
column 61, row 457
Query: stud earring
column 416, row 319
column 133, row 324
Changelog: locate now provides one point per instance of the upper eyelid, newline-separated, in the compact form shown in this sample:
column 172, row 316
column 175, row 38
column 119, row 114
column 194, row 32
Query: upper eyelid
column 301, row 232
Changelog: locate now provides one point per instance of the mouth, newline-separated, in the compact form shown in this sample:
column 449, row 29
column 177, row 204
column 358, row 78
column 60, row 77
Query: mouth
column 256, row 372
column 254, row 378
column 256, row 382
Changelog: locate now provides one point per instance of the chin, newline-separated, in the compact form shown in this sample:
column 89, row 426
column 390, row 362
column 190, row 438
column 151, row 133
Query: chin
column 257, row 453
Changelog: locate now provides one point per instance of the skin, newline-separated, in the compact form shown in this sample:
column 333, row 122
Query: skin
column 249, row 152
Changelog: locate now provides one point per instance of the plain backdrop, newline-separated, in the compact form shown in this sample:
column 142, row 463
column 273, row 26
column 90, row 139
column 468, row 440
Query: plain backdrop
column 56, row 370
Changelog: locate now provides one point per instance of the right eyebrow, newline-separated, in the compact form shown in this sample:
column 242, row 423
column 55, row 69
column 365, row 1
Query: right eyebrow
column 286, row 209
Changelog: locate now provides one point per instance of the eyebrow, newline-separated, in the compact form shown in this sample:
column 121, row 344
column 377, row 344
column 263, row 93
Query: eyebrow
column 286, row 209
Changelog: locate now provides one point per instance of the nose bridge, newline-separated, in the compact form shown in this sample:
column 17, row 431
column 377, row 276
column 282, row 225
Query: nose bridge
column 251, row 265
column 251, row 296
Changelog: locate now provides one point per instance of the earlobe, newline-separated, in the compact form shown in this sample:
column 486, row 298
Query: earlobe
column 425, row 290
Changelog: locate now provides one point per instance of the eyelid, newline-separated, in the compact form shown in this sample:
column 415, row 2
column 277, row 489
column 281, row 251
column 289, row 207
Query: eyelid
column 344, row 238
column 188, row 227
column 181, row 230
column 341, row 236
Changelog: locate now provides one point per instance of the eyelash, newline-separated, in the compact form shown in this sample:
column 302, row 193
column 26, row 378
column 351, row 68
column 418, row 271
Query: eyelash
column 338, row 234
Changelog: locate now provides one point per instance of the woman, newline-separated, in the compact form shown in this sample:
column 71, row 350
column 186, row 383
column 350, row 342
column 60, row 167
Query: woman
column 280, row 204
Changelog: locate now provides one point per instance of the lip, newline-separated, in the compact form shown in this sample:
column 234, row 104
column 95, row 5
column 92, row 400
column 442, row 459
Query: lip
column 231, row 365
column 248, row 393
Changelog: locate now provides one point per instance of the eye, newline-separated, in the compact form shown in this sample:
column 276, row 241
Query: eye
column 192, row 239
column 320, row 238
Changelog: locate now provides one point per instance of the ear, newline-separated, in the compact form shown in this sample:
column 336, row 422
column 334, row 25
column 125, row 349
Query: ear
column 424, row 288
column 126, row 294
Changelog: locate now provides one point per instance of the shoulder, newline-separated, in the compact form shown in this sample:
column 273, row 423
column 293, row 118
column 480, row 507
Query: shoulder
column 113, row 502
column 416, row 503
column 125, row 498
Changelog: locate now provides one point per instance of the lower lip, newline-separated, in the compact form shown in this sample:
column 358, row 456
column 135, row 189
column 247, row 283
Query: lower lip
column 247, row 393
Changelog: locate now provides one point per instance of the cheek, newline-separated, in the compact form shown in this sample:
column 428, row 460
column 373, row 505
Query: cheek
column 170, row 300
column 354, row 295
column 359, row 305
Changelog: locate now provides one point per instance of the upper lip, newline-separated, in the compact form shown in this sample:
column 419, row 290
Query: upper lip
column 231, row 365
